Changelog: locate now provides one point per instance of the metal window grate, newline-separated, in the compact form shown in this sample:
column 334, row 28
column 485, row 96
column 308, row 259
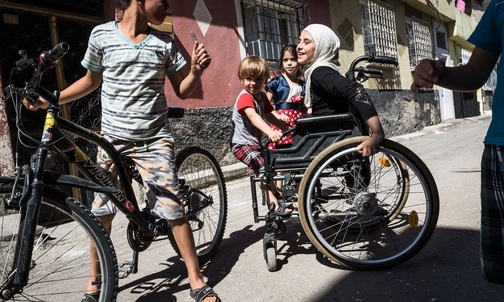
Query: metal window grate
column 379, row 26
column 419, row 40
column 269, row 25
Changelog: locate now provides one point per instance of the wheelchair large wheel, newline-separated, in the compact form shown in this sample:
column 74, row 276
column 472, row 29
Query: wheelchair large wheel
column 368, row 213
column 204, row 195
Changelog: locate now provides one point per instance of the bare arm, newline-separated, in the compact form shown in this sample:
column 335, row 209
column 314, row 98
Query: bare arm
column 468, row 77
column 370, row 146
column 279, row 120
column 82, row 87
column 184, row 86
column 260, row 124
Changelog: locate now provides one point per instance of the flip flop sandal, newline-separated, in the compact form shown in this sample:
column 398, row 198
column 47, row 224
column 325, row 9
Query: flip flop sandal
column 201, row 293
column 94, row 297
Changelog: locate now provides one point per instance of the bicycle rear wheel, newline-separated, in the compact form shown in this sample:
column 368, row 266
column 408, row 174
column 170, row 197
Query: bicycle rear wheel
column 368, row 213
column 203, row 192
column 61, row 261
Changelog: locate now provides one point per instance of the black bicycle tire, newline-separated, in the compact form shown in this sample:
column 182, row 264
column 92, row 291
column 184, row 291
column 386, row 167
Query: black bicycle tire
column 183, row 156
column 87, row 221
column 410, row 157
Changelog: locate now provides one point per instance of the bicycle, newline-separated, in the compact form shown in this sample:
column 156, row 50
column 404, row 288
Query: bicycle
column 365, row 213
column 46, row 255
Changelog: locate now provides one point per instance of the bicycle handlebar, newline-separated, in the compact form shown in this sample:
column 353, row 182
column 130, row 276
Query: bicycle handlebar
column 51, row 57
column 45, row 61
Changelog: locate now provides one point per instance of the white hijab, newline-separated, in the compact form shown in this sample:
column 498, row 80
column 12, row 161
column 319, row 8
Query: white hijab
column 326, row 54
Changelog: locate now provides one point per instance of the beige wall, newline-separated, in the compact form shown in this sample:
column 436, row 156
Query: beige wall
column 346, row 16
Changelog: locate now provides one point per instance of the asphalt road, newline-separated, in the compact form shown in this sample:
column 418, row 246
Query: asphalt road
column 447, row 269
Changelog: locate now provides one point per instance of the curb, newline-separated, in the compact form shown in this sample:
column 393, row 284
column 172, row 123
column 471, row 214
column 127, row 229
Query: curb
column 235, row 171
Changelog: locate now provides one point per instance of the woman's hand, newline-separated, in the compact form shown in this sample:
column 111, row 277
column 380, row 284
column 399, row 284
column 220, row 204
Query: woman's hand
column 371, row 145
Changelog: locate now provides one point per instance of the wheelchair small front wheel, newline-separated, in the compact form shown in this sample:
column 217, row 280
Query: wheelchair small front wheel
column 368, row 212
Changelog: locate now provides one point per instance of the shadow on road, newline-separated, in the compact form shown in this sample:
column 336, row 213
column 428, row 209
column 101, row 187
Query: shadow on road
column 164, row 284
column 447, row 269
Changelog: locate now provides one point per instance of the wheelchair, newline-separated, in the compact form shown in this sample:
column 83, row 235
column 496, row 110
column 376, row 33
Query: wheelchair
column 364, row 213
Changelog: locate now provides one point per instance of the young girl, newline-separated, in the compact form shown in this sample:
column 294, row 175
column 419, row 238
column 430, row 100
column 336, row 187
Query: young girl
column 328, row 91
column 250, row 111
column 286, row 92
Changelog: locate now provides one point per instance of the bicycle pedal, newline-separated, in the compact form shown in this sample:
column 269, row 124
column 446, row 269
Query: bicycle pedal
column 125, row 269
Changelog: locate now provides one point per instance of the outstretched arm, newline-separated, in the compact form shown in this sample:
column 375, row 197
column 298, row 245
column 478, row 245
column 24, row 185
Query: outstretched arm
column 82, row 87
column 468, row 77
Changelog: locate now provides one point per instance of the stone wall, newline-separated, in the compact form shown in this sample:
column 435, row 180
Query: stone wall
column 401, row 112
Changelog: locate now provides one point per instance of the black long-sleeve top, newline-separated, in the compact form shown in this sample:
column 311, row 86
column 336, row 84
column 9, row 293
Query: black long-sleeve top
column 332, row 93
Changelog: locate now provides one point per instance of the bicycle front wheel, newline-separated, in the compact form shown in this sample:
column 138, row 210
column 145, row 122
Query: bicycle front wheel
column 204, row 195
column 368, row 212
column 60, row 266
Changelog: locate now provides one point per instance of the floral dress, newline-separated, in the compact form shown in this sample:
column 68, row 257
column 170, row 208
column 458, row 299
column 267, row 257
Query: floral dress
column 287, row 100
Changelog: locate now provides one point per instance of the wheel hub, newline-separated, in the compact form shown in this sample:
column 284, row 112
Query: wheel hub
column 365, row 204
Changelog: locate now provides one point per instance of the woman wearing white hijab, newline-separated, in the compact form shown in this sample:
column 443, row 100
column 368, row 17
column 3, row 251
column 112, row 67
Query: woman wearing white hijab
column 328, row 91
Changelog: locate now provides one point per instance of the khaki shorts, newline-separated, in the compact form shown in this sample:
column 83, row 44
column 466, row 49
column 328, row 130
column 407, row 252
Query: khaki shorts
column 155, row 161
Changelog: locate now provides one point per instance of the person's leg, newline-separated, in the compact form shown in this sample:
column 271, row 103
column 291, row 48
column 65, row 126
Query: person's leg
column 156, row 166
column 185, row 241
column 492, row 214
column 253, row 158
column 183, row 236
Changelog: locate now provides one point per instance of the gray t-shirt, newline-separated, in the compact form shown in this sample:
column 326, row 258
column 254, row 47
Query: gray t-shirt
column 132, row 96
column 244, row 132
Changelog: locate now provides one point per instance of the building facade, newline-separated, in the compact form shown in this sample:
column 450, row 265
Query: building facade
column 232, row 29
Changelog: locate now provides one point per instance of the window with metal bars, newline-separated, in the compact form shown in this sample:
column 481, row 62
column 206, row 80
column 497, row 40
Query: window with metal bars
column 269, row 25
column 419, row 40
column 379, row 27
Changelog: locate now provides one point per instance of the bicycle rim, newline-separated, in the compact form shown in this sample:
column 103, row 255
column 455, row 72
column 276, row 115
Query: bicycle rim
column 60, row 267
column 371, row 213
column 205, row 200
